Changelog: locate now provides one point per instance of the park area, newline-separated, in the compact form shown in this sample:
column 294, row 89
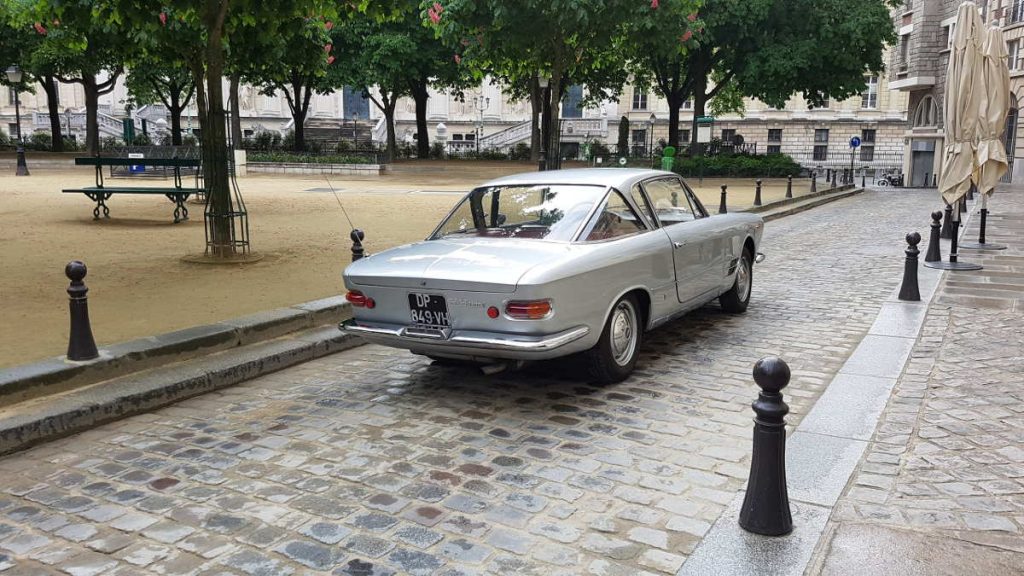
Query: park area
column 140, row 286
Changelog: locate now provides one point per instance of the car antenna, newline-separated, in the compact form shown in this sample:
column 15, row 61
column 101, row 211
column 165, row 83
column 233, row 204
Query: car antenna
column 338, row 198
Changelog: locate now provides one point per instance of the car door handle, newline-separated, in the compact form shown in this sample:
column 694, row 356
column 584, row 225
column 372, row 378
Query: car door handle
column 678, row 244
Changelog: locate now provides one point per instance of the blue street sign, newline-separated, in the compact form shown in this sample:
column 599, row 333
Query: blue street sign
column 855, row 142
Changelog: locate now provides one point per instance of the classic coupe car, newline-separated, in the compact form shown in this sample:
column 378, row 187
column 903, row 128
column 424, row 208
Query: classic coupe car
column 546, row 264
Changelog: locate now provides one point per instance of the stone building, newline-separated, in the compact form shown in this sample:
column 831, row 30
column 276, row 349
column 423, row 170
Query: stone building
column 485, row 118
column 918, row 68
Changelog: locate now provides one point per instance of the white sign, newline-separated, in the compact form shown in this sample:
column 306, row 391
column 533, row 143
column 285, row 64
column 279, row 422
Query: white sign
column 703, row 134
column 136, row 168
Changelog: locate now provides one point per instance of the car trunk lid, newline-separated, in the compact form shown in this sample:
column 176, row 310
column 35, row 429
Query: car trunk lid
column 472, row 265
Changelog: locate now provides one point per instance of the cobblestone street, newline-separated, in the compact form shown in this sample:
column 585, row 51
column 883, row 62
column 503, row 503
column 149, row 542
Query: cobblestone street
column 373, row 461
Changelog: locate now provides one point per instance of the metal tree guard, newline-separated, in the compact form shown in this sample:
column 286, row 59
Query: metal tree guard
column 237, row 215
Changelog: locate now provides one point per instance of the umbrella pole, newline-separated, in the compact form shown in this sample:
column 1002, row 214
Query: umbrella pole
column 981, row 244
column 953, row 263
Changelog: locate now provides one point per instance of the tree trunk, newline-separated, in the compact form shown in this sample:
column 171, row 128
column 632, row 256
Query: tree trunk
column 554, row 128
column 420, row 96
column 699, row 73
column 300, row 130
column 92, row 104
column 236, row 118
column 53, row 108
column 389, row 120
column 215, row 153
column 175, row 109
column 545, row 125
column 536, row 107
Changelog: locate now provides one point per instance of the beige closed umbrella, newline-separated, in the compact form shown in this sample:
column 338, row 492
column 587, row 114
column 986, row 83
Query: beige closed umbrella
column 962, row 104
column 992, row 161
column 962, row 121
column 992, row 164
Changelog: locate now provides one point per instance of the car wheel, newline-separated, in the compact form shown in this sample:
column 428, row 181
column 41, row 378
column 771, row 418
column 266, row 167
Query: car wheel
column 882, row 182
column 614, row 357
column 738, row 297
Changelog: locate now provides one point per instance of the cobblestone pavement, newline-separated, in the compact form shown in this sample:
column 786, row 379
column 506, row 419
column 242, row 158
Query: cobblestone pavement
column 375, row 462
column 948, row 455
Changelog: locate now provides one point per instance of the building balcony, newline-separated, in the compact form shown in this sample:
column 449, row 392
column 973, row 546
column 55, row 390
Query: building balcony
column 911, row 82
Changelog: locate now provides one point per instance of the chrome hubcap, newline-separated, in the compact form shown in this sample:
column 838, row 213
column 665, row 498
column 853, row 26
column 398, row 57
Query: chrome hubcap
column 743, row 279
column 623, row 333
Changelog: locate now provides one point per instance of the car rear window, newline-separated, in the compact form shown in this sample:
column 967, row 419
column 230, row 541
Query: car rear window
column 548, row 212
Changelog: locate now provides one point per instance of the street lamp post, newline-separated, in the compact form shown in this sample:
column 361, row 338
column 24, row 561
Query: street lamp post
column 481, row 104
column 650, row 126
column 14, row 76
column 542, row 163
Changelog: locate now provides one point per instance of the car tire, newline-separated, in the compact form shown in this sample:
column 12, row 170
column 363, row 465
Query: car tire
column 614, row 356
column 738, row 297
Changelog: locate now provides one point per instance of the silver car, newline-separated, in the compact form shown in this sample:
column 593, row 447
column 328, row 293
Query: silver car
column 547, row 264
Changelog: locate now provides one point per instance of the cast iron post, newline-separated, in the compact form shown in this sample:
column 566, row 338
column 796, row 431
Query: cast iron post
column 789, row 186
column 721, row 206
column 757, row 193
column 970, row 192
column 828, row 174
column 909, row 290
column 934, row 254
column 357, row 243
column 863, row 177
column 766, row 505
column 81, row 345
column 926, row 181
column 814, row 181
column 962, row 204
column 834, row 178
column 947, row 223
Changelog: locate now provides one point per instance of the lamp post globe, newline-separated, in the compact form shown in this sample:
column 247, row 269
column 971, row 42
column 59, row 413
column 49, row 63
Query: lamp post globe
column 14, row 76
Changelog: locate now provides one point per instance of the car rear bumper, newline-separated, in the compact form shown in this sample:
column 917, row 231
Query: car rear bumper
column 471, row 343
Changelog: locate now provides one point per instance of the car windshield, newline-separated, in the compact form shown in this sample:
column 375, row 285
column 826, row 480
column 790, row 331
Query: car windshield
column 549, row 212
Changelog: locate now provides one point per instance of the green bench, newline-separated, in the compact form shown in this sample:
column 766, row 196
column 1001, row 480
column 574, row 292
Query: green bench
column 100, row 193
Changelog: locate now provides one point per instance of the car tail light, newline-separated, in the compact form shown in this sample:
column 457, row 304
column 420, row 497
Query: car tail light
column 493, row 312
column 371, row 303
column 528, row 309
column 357, row 299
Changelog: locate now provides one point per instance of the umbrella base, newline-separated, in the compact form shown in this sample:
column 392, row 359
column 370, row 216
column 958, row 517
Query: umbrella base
column 944, row 265
column 982, row 246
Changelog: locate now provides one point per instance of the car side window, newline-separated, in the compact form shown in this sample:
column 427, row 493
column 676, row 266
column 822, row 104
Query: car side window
column 614, row 219
column 669, row 201
column 638, row 198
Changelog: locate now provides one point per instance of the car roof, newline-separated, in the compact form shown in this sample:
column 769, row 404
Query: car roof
column 619, row 178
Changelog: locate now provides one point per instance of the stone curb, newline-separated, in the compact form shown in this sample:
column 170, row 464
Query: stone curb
column 56, row 375
column 45, row 419
column 798, row 199
column 795, row 208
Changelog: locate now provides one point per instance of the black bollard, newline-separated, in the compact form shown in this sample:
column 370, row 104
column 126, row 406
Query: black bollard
column 766, row 505
column 828, row 174
column 757, row 193
column 909, row 290
column 834, row 178
column 970, row 192
column 935, row 180
column 789, row 186
column 947, row 224
column 926, row 181
column 81, row 345
column 962, row 204
column 357, row 243
column 863, row 178
column 934, row 254
column 814, row 181
column 721, row 206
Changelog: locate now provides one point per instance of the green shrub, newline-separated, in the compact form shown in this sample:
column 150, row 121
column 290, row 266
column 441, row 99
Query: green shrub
column 6, row 141
column 39, row 141
column 520, row 152
column 742, row 165
column 343, row 146
column 437, row 150
column 111, row 143
column 288, row 140
column 294, row 158
column 71, row 145
column 493, row 154
column 142, row 140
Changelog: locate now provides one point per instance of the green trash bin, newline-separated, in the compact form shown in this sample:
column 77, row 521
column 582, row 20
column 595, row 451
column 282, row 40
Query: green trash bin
column 668, row 158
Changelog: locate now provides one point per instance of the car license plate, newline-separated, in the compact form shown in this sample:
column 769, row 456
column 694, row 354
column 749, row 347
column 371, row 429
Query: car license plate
column 429, row 310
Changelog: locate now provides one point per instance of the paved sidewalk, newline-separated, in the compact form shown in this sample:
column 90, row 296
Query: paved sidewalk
column 374, row 462
column 941, row 487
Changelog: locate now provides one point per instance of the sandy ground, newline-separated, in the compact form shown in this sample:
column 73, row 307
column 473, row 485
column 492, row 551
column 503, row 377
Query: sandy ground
column 139, row 285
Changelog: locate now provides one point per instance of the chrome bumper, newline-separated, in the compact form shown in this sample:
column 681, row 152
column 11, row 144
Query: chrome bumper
column 759, row 258
column 465, row 342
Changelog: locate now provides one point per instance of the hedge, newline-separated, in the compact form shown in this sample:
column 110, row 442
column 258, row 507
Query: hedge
column 777, row 165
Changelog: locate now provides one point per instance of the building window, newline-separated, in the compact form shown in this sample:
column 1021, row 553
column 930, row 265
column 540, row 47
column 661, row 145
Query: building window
column 1017, row 12
column 639, row 100
column 728, row 135
column 1013, row 48
column 867, row 145
column 927, row 113
column 869, row 98
column 821, row 144
column 905, row 51
column 684, row 135
column 774, row 141
column 10, row 96
column 12, row 130
column 639, row 142
column 688, row 105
